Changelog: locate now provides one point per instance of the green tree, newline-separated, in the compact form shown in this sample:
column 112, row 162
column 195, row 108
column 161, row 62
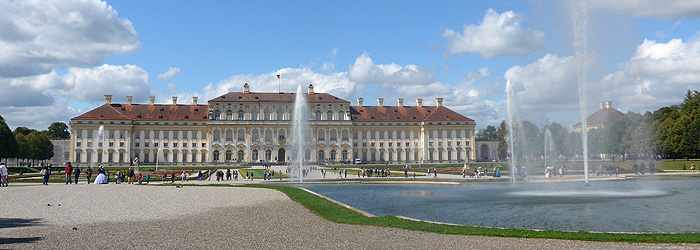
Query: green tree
column 8, row 143
column 23, row 130
column 58, row 130
column 34, row 146
column 489, row 134
column 559, row 134
column 502, row 143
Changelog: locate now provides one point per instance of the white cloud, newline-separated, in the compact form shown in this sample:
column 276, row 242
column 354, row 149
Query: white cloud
column 549, row 81
column 658, row 74
column 497, row 35
column 364, row 70
column 168, row 75
column 90, row 85
column 650, row 8
column 38, row 36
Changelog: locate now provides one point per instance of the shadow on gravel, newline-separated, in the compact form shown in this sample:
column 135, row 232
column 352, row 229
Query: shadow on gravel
column 17, row 222
column 7, row 241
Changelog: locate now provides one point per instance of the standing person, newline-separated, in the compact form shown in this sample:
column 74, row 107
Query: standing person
column 434, row 172
column 76, row 172
column 148, row 178
column 561, row 172
column 3, row 172
column 172, row 177
column 88, row 174
column 69, row 171
column 139, row 177
column 692, row 166
column 130, row 175
column 164, row 177
column 47, row 174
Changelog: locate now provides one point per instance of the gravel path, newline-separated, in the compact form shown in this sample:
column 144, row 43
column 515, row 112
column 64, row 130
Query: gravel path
column 129, row 216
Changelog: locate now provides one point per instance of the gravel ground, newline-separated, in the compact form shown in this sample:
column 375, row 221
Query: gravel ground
column 129, row 216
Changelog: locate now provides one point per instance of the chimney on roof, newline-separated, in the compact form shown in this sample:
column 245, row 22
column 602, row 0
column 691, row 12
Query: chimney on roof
column 419, row 102
column 438, row 101
column 311, row 88
column 380, row 102
column 359, row 102
column 602, row 105
column 129, row 99
column 174, row 100
column 108, row 99
column 608, row 104
column 194, row 100
column 246, row 88
column 152, row 99
column 400, row 102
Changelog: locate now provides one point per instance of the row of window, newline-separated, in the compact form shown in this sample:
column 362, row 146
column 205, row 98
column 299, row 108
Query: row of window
column 280, row 115
column 409, row 134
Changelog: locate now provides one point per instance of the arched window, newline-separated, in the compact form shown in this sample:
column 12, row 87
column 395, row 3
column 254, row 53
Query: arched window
column 229, row 115
column 333, row 155
column 334, row 135
column 254, row 155
column 345, row 134
column 229, row 135
column 280, row 114
column 241, row 113
column 321, row 155
column 321, row 135
column 241, row 155
column 216, row 155
column 217, row 115
column 267, row 115
column 217, row 135
column 254, row 115
column 229, row 155
column 256, row 135
column 341, row 115
column 241, row 135
column 345, row 155
column 307, row 155
column 268, row 134
column 329, row 115
column 268, row 155
column 281, row 135
column 318, row 115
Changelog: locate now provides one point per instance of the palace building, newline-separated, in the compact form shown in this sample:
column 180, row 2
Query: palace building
column 250, row 127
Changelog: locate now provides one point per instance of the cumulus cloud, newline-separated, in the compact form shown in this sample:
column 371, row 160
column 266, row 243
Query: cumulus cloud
column 549, row 81
column 38, row 36
column 658, row 74
column 168, row 75
column 650, row 8
column 497, row 35
column 364, row 70
column 90, row 85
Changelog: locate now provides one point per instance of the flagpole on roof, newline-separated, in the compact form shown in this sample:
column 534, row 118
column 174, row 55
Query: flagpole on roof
column 279, row 84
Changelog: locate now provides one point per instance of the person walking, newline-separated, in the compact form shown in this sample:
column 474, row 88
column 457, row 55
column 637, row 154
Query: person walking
column 692, row 166
column 3, row 173
column 47, row 174
column 69, row 171
column 130, row 175
column 76, row 172
column 139, row 177
column 88, row 174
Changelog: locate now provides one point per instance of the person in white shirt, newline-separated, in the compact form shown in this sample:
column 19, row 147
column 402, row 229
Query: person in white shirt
column 3, row 171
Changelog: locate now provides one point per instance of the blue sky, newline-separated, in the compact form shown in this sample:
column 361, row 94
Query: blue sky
column 59, row 57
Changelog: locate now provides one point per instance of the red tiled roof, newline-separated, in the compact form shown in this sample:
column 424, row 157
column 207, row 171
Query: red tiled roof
column 275, row 97
column 404, row 114
column 605, row 116
column 142, row 112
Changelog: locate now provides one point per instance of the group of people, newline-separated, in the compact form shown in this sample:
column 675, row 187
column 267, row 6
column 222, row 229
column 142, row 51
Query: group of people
column 550, row 172
column 641, row 168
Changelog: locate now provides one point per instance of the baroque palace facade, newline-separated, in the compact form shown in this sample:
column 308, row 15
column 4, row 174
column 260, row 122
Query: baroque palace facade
column 247, row 127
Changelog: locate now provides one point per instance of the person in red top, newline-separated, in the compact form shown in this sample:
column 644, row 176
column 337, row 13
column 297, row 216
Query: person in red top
column 69, row 171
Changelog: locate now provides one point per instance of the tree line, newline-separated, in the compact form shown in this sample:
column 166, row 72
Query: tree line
column 30, row 144
column 670, row 132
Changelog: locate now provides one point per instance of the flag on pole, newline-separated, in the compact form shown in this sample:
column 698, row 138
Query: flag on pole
column 278, row 76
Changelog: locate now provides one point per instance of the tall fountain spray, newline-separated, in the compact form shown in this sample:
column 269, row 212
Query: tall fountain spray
column 510, row 103
column 300, row 125
column 100, row 139
column 580, row 21
column 548, row 146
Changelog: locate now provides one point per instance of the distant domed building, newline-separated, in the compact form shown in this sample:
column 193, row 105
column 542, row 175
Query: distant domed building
column 602, row 118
